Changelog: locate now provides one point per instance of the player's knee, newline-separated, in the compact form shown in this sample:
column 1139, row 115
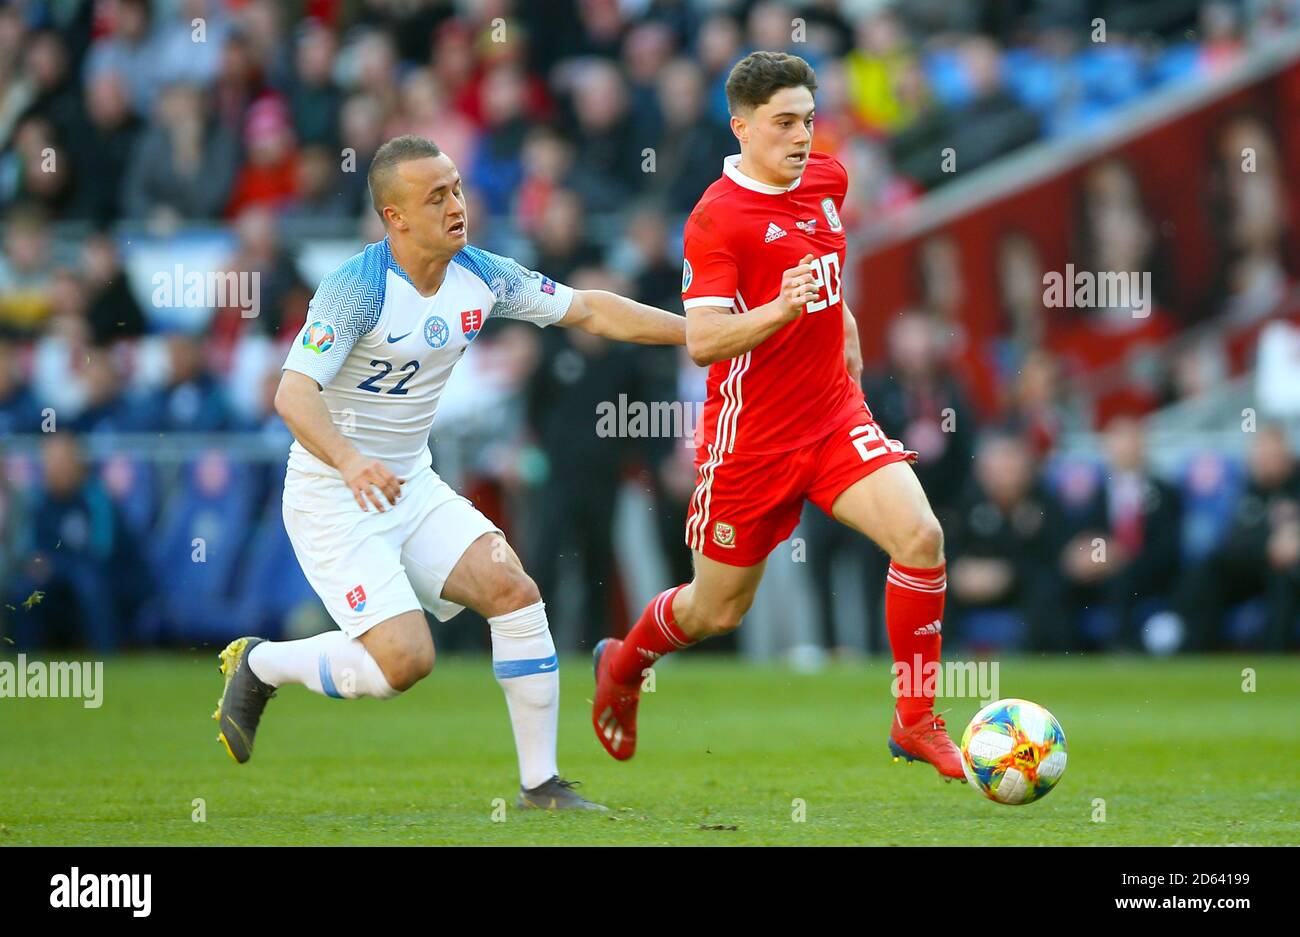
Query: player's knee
column 727, row 620
column 513, row 593
column 922, row 544
column 722, row 619
column 413, row 665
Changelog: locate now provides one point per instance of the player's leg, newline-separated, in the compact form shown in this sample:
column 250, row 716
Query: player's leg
column 712, row 603
column 351, row 560
column 742, row 508
column 889, row 506
column 380, row 662
column 457, row 558
column 490, row 579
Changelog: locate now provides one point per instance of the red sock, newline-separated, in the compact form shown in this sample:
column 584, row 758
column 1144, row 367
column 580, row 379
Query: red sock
column 654, row 635
column 913, row 618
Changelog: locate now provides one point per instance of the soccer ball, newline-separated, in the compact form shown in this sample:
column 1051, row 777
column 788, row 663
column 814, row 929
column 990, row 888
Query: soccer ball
column 1014, row 751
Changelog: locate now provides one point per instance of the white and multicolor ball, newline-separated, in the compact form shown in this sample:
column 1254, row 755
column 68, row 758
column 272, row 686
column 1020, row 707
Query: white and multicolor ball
column 1014, row 751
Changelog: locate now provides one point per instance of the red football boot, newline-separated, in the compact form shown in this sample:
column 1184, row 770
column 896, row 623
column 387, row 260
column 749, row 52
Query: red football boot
column 927, row 740
column 613, row 711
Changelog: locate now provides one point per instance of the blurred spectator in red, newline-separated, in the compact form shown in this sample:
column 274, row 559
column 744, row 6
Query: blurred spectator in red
column 454, row 65
column 269, row 175
column 547, row 167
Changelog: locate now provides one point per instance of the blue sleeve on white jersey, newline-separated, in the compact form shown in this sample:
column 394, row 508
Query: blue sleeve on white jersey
column 345, row 307
column 520, row 293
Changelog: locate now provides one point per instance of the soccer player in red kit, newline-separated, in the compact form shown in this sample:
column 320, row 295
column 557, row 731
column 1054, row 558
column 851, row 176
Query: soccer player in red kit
column 784, row 421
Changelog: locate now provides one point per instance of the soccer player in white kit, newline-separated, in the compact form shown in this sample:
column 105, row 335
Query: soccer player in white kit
column 379, row 535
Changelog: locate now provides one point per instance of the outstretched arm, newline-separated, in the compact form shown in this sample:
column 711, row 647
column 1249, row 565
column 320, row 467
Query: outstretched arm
column 609, row 315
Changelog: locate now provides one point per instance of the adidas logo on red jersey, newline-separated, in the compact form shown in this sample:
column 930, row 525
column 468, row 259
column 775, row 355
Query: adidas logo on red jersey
column 933, row 627
column 773, row 232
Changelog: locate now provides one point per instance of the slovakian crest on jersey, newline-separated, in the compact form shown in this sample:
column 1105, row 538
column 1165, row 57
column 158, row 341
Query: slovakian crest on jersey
column 382, row 352
column 471, row 320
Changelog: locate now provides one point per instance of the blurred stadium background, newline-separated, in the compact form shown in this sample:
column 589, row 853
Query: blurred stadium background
column 988, row 143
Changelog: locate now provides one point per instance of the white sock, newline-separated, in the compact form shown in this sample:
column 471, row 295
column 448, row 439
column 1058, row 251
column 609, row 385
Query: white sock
column 331, row 664
column 524, row 661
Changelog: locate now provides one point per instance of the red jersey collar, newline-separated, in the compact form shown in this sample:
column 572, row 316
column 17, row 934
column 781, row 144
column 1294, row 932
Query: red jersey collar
column 731, row 169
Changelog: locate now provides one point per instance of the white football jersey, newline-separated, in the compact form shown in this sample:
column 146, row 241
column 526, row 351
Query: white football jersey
column 382, row 353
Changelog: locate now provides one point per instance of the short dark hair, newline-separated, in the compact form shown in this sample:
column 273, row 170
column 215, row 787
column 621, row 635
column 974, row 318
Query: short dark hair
column 759, row 75
column 388, row 157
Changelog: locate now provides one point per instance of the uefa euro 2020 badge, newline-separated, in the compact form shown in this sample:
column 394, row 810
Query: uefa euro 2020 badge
column 319, row 337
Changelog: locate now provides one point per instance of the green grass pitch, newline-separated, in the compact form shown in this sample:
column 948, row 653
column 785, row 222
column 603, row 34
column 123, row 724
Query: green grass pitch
column 728, row 751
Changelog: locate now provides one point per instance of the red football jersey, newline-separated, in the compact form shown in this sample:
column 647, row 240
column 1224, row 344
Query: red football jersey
column 793, row 388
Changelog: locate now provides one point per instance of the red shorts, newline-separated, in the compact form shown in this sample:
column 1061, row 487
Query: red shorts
column 744, row 505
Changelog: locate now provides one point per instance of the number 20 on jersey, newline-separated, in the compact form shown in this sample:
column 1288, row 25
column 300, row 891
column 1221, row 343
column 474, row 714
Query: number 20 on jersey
column 826, row 273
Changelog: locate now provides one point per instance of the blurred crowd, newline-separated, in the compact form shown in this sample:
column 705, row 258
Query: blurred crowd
column 174, row 110
column 256, row 118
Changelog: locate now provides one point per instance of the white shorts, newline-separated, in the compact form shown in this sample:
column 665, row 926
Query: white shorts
column 369, row 566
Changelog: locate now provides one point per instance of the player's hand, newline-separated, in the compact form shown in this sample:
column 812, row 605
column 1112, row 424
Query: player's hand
column 798, row 288
column 364, row 475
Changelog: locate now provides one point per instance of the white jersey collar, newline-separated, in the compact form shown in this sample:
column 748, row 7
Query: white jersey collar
column 731, row 169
